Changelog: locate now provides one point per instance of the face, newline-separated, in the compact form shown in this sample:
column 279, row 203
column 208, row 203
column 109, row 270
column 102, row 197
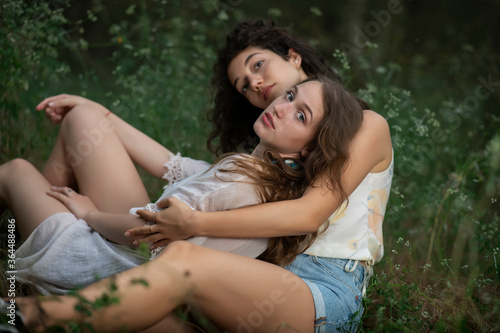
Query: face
column 262, row 75
column 291, row 121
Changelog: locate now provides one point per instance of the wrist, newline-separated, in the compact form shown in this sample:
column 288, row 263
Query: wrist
column 195, row 225
column 90, row 217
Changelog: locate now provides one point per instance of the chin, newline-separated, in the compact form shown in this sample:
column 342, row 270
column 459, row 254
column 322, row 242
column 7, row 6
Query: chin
column 256, row 128
column 262, row 104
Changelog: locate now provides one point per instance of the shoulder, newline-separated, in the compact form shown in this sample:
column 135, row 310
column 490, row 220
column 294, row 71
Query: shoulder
column 237, row 159
column 374, row 123
column 238, row 162
column 373, row 141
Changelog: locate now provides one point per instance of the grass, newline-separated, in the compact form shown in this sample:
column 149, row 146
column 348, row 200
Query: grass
column 440, row 270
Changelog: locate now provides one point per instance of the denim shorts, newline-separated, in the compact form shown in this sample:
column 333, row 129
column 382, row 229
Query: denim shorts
column 337, row 289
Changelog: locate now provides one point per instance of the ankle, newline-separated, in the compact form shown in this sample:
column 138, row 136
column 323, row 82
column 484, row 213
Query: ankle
column 31, row 314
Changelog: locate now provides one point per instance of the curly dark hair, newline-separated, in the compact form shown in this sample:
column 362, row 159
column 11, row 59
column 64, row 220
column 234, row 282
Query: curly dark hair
column 232, row 115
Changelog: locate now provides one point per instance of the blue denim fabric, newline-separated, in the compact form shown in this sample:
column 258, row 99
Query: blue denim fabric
column 337, row 292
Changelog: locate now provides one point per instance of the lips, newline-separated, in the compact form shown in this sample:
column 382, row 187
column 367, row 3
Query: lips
column 266, row 91
column 268, row 120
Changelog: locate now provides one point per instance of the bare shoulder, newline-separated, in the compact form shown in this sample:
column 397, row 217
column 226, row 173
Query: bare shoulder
column 375, row 121
column 373, row 141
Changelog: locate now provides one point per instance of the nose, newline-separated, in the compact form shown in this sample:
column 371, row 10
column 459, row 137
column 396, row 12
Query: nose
column 255, row 81
column 282, row 109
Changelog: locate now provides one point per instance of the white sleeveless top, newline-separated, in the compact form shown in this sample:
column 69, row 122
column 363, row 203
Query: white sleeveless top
column 355, row 231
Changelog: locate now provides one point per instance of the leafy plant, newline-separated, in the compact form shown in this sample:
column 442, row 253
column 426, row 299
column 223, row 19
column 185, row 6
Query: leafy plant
column 152, row 65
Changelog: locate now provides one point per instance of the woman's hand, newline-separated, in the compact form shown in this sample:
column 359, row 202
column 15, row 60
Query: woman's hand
column 171, row 224
column 79, row 205
column 56, row 107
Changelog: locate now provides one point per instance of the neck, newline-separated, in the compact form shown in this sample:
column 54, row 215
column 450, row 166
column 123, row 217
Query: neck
column 261, row 148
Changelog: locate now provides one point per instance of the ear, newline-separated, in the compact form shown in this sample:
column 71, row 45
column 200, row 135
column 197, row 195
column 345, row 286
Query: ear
column 294, row 57
column 305, row 151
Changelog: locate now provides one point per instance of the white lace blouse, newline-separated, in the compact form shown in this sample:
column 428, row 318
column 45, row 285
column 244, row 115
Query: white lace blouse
column 209, row 190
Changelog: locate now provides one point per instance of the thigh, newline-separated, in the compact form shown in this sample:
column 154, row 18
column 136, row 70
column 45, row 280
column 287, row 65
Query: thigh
column 56, row 170
column 245, row 295
column 172, row 324
column 24, row 190
column 102, row 167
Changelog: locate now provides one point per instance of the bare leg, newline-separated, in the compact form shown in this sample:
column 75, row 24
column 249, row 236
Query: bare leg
column 22, row 189
column 172, row 324
column 57, row 170
column 89, row 154
column 237, row 293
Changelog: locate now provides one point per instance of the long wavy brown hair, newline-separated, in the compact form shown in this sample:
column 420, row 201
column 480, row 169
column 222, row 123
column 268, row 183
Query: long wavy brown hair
column 232, row 115
column 327, row 160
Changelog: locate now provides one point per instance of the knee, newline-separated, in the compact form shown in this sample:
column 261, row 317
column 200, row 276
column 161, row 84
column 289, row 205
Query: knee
column 178, row 249
column 81, row 113
column 181, row 252
column 85, row 116
column 17, row 166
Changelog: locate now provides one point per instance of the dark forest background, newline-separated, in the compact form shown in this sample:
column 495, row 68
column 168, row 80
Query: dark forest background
column 430, row 67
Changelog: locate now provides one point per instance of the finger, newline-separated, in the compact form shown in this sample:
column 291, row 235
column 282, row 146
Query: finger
column 58, row 195
column 60, row 189
column 165, row 203
column 157, row 240
column 68, row 191
column 160, row 243
column 49, row 113
column 62, row 104
column 138, row 231
column 151, row 240
column 56, row 119
column 54, row 115
column 138, row 241
column 146, row 214
column 63, row 190
column 139, row 238
column 43, row 104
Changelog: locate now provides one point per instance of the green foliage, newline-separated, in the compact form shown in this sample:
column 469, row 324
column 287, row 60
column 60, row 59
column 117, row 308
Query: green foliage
column 152, row 65
column 30, row 39
column 444, row 199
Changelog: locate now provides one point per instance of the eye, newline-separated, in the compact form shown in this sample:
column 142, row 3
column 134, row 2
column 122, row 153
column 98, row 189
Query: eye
column 289, row 96
column 244, row 88
column 301, row 116
column 259, row 64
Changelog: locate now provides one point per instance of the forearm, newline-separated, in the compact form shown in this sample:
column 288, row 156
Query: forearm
column 113, row 226
column 283, row 218
column 143, row 150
